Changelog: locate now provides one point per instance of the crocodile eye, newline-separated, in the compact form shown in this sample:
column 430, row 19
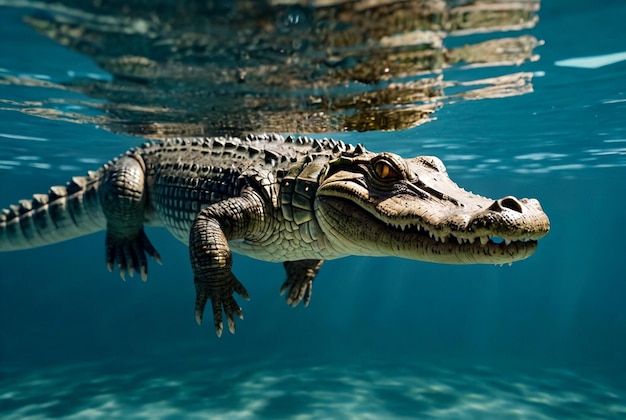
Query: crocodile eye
column 384, row 170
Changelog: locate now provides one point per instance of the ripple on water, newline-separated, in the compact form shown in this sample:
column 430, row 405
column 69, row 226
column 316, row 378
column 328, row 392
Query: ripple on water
column 21, row 137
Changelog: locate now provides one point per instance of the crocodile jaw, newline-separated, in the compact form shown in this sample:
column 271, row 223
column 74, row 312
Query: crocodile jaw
column 426, row 217
column 368, row 236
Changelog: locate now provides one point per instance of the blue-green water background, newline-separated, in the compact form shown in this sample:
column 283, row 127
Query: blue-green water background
column 544, row 338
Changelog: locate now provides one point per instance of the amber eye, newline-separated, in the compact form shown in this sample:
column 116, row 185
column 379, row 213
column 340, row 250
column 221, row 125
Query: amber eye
column 384, row 170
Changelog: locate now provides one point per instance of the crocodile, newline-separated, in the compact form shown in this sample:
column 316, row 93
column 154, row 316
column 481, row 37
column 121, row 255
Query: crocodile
column 294, row 200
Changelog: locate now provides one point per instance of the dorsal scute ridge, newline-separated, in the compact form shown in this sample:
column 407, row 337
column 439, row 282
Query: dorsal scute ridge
column 266, row 147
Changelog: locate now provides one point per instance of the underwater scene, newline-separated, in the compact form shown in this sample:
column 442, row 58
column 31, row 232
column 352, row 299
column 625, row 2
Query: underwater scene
column 517, row 98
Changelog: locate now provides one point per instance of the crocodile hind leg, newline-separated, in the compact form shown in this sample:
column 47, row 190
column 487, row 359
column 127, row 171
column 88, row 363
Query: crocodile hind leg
column 123, row 200
column 300, row 275
column 211, row 258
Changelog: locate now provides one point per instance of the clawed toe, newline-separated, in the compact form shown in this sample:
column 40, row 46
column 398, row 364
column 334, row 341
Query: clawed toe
column 299, row 291
column 129, row 254
column 299, row 283
column 222, row 302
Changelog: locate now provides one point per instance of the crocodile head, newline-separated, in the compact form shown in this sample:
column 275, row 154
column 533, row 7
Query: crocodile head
column 384, row 205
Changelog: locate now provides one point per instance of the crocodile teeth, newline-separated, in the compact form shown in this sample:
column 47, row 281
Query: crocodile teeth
column 462, row 241
column 445, row 237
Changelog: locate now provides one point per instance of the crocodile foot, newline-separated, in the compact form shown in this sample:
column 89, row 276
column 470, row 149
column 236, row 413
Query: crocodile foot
column 300, row 275
column 130, row 254
column 221, row 299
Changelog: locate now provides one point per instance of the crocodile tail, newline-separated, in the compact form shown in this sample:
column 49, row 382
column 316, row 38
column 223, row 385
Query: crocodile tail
column 64, row 213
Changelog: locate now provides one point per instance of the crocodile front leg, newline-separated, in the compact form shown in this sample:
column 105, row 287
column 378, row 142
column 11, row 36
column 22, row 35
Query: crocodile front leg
column 300, row 276
column 123, row 199
column 211, row 258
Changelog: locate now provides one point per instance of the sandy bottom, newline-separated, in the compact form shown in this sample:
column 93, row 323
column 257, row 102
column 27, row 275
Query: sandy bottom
column 263, row 390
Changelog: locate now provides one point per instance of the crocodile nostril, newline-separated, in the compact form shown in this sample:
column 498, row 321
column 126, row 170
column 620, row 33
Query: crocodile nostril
column 511, row 203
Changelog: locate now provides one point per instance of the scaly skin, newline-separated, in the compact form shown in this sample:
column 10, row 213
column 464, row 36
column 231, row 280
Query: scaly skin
column 294, row 200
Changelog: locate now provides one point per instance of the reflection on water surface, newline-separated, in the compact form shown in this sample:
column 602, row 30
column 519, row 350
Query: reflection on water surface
column 215, row 67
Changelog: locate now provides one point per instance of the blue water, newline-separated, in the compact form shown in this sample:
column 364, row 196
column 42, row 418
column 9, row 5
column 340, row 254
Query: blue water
column 543, row 338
